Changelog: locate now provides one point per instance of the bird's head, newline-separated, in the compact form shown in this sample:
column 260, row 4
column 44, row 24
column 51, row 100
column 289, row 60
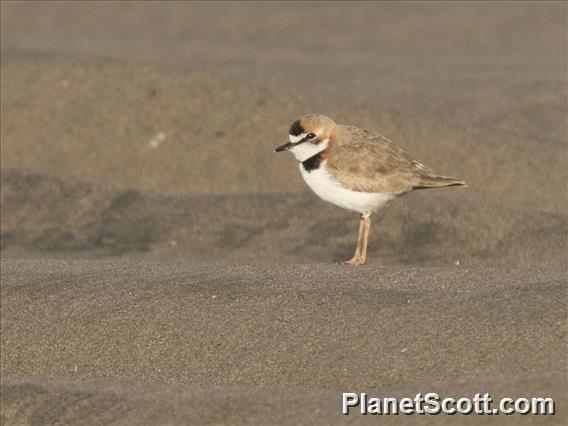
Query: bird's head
column 308, row 136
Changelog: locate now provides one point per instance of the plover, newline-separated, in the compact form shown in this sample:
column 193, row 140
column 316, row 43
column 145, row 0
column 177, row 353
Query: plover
column 356, row 169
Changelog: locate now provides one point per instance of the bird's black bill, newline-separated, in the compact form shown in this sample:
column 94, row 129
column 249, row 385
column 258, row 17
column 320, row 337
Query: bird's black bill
column 284, row 147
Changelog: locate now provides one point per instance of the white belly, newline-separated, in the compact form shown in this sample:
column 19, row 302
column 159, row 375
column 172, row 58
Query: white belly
column 327, row 188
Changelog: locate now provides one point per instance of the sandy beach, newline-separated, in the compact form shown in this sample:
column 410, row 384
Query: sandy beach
column 266, row 337
column 161, row 265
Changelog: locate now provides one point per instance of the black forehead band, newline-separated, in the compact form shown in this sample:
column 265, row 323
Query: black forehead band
column 296, row 129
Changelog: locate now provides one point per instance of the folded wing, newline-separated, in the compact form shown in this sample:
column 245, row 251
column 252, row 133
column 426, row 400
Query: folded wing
column 376, row 164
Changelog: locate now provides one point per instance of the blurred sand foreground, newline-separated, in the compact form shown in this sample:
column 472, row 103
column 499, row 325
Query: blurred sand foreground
column 161, row 265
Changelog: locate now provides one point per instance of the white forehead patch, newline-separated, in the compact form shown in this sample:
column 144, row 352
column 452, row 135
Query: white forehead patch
column 295, row 139
column 306, row 150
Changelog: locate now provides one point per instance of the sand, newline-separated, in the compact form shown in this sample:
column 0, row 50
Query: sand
column 286, row 332
column 161, row 265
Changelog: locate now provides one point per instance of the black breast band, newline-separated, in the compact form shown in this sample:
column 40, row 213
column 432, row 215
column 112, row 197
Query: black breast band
column 312, row 163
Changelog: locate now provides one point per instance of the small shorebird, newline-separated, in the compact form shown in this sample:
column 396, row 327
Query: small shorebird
column 356, row 169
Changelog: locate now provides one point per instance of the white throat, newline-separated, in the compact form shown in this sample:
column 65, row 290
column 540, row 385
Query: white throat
column 307, row 149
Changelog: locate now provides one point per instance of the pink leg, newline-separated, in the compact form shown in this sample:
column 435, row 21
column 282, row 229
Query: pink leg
column 362, row 239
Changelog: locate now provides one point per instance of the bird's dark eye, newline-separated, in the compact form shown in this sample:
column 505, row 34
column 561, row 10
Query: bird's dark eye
column 311, row 135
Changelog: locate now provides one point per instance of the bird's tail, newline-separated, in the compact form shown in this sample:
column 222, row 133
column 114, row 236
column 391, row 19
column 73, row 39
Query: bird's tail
column 436, row 181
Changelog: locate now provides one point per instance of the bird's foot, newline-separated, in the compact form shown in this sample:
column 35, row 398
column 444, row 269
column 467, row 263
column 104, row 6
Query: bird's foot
column 355, row 261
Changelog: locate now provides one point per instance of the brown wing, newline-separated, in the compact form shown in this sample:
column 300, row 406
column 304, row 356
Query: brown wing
column 367, row 167
column 369, row 162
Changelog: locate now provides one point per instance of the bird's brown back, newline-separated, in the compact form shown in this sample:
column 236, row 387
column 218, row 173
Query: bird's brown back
column 366, row 161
